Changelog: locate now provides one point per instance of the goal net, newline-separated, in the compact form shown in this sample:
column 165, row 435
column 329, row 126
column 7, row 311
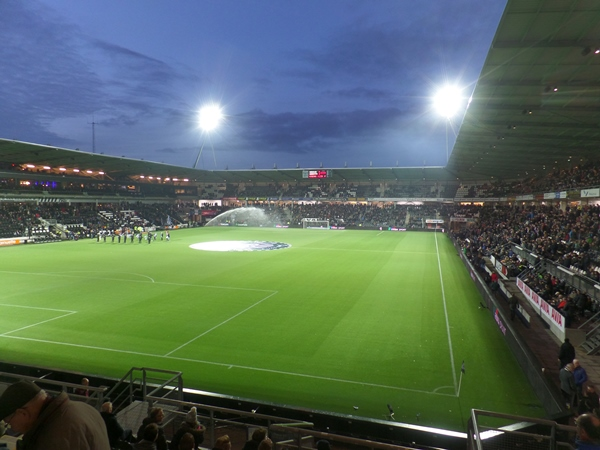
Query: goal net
column 309, row 222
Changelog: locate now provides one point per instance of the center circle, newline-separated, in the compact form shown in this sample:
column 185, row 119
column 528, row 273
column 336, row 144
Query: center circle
column 239, row 246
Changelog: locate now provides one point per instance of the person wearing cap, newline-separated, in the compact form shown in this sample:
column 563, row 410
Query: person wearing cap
column 189, row 425
column 51, row 423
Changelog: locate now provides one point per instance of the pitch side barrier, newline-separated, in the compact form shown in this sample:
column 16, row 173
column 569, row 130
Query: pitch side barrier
column 527, row 361
column 7, row 242
column 578, row 281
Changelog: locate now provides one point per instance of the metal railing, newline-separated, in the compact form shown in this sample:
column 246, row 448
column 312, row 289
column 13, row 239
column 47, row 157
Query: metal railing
column 136, row 382
column 97, row 395
column 489, row 430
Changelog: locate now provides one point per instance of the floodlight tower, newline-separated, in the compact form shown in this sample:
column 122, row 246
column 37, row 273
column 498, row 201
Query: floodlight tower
column 209, row 118
column 447, row 102
column 93, row 123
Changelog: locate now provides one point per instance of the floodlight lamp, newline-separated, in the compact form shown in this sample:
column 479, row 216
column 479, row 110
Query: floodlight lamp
column 210, row 117
column 447, row 101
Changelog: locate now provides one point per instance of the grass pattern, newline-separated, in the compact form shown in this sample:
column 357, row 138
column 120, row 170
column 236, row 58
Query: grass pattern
column 340, row 319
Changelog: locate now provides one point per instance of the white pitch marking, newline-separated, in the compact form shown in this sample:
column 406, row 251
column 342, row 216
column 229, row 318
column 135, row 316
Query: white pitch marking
column 86, row 271
column 444, row 387
column 365, row 250
column 140, row 281
column 445, row 313
column 222, row 323
column 140, row 275
column 257, row 369
column 38, row 323
column 37, row 307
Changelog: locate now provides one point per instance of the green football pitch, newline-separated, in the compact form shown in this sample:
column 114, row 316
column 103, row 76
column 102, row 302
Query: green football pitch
column 338, row 320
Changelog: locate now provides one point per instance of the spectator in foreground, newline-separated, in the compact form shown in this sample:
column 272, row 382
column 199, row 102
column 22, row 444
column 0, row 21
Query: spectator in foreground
column 590, row 403
column 580, row 376
column 156, row 417
column 566, row 353
column 190, row 425
column 588, row 432
column 223, row 443
column 116, row 433
column 83, row 391
column 51, row 423
column 265, row 444
column 149, row 436
column 257, row 436
column 567, row 384
column 323, row 445
column 187, row 442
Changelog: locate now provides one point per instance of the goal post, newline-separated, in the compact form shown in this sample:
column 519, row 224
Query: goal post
column 309, row 222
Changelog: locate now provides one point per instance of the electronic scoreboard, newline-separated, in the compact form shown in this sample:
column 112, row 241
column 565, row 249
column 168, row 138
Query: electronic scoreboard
column 316, row 173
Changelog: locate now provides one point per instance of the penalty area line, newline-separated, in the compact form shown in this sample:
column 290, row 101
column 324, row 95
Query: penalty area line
column 36, row 324
column 222, row 323
column 37, row 307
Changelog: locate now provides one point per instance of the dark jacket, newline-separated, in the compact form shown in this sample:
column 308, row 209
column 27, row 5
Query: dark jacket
column 566, row 353
column 567, row 381
column 195, row 430
column 113, row 427
column 161, row 440
column 67, row 425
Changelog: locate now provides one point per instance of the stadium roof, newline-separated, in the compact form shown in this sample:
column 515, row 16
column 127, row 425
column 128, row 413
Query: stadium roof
column 119, row 168
column 535, row 107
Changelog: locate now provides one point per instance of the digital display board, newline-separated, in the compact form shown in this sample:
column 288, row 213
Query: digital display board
column 316, row 173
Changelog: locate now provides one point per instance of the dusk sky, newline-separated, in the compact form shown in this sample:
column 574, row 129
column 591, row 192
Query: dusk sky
column 300, row 82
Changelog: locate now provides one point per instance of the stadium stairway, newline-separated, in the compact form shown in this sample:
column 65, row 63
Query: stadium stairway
column 546, row 345
column 132, row 416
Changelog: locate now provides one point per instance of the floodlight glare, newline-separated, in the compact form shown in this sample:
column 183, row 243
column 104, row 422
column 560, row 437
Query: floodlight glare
column 447, row 101
column 210, row 117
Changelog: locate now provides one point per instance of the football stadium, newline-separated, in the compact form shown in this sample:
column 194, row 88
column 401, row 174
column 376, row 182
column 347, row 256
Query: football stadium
column 433, row 307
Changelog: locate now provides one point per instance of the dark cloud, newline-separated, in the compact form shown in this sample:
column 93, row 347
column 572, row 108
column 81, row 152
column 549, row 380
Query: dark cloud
column 427, row 40
column 307, row 132
column 43, row 72
column 141, row 75
column 50, row 71
column 361, row 93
